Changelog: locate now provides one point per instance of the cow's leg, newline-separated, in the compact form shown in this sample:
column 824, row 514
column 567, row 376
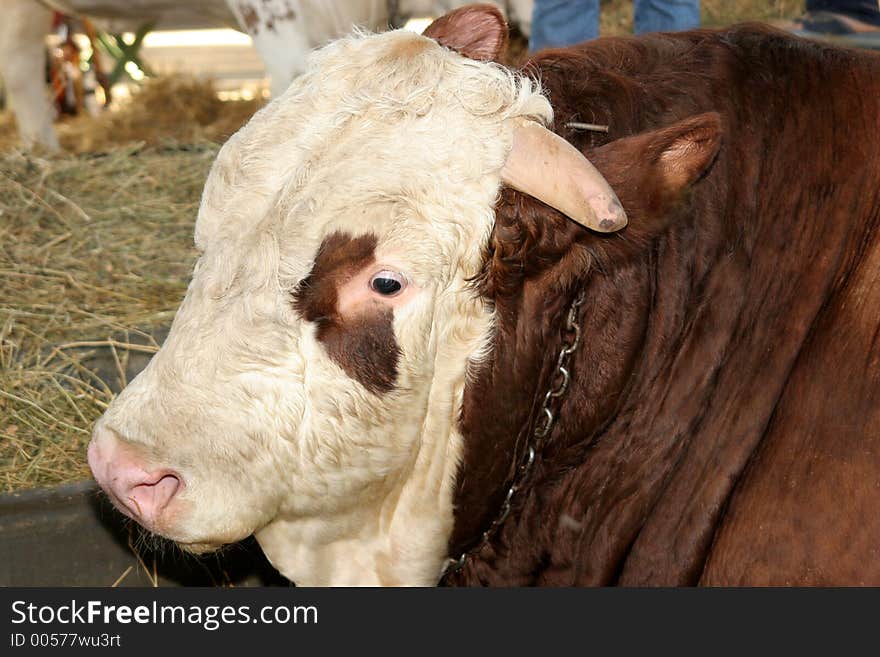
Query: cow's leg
column 519, row 13
column 23, row 64
column 285, row 31
column 280, row 41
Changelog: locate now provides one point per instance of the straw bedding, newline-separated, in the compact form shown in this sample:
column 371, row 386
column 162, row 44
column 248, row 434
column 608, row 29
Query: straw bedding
column 95, row 254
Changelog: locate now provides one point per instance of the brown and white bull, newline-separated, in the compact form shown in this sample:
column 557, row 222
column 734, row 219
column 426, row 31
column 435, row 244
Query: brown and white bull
column 358, row 372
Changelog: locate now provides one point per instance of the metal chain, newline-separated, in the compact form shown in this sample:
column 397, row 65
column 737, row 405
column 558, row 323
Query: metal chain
column 547, row 417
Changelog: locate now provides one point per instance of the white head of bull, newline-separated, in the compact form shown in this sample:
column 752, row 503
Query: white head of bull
column 311, row 384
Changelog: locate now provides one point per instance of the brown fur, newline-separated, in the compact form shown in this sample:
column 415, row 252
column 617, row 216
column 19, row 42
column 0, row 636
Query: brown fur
column 476, row 31
column 723, row 425
column 363, row 346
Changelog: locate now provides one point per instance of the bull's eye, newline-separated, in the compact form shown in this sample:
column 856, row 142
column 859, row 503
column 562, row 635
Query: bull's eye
column 387, row 283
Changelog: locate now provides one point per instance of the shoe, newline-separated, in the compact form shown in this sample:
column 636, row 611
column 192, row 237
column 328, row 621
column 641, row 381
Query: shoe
column 834, row 24
column 838, row 28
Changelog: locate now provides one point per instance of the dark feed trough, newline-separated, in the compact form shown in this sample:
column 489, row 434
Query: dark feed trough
column 71, row 536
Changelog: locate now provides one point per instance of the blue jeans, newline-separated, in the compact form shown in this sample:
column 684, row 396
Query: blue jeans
column 565, row 22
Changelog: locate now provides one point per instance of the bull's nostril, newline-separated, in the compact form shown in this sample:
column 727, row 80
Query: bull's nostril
column 172, row 482
column 164, row 478
column 148, row 499
column 124, row 472
column 162, row 489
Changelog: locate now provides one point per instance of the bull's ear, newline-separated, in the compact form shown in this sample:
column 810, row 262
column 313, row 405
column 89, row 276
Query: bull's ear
column 652, row 171
column 475, row 31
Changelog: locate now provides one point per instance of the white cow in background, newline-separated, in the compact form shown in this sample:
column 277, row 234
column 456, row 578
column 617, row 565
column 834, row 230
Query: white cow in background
column 283, row 32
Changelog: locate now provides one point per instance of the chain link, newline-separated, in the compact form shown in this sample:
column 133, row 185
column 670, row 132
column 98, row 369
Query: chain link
column 547, row 417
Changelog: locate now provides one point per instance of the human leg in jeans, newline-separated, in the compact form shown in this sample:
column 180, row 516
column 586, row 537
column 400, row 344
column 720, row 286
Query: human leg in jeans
column 666, row 15
column 557, row 23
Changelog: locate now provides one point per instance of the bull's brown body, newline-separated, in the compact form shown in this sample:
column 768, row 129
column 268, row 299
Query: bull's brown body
column 723, row 424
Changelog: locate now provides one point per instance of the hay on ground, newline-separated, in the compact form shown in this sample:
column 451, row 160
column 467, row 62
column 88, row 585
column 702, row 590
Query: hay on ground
column 172, row 109
column 95, row 255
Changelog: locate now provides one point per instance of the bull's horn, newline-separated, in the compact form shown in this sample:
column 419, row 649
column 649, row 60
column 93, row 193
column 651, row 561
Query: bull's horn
column 542, row 164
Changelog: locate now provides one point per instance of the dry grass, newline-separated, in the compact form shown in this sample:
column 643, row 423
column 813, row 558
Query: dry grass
column 172, row 109
column 95, row 253
column 724, row 12
column 616, row 17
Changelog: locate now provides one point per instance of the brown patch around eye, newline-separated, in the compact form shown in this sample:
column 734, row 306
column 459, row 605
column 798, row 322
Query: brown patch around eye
column 364, row 345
